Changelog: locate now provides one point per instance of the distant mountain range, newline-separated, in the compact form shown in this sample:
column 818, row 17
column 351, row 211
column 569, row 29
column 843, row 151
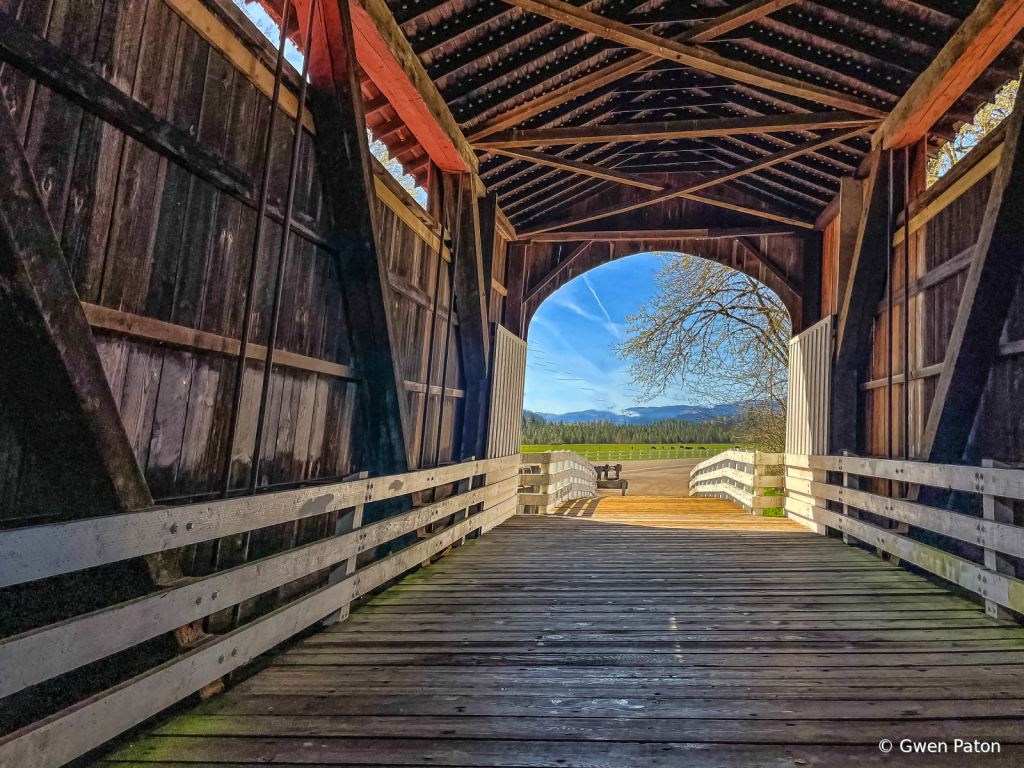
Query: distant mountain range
column 646, row 415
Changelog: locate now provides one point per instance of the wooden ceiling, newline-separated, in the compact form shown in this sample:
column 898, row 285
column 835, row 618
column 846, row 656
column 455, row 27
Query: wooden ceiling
column 634, row 81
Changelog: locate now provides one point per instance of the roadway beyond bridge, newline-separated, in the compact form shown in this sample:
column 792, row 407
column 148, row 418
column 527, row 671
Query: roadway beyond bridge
column 658, row 477
column 623, row 633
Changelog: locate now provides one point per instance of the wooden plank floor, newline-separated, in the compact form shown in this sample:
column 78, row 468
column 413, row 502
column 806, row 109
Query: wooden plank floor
column 634, row 632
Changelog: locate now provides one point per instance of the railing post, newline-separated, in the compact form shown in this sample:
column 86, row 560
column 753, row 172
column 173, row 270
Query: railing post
column 998, row 511
column 850, row 482
column 346, row 524
column 754, row 490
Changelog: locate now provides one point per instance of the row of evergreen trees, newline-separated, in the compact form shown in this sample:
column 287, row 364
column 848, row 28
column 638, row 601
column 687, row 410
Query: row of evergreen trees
column 539, row 431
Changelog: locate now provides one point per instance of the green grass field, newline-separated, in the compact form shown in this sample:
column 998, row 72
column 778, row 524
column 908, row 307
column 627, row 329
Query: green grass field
column 773, row 511
column 636, row 447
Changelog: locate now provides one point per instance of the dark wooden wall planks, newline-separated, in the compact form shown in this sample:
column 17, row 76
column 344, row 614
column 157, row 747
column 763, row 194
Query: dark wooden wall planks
column 945, row 237
column 417, row 275
column 147, row 238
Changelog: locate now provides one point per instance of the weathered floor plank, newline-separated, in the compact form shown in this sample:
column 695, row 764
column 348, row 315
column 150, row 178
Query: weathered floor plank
column 644, row 632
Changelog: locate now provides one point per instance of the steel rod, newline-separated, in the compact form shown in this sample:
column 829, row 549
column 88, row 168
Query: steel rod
column 445, row 227
column 906, row 302
column 261, row 214
column 282, row 258
column 888, row 271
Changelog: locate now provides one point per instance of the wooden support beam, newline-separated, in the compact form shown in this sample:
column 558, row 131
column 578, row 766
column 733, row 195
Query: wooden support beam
column 657, row 234
column 488, row 207
column 517, row 255
column 51, row 376
column 609, row 73
column 691, row 56
column 562, row 267
column 193, row 339
column 758, row 212
column 471, row 291
column 389, row 60
column 349, row 189
column 851, row 206
column 373, row 106
column 769, row 264
column 675, row 129
column 980, row 39
column 810, row 283
column 765, row 162
column 864, row 290
column 933, row 277
column 69, row 77
column 574, row 166
column 985, row 303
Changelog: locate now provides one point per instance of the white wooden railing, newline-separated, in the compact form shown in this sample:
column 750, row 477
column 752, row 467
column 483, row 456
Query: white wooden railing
column 548, row 479
column 484, row 494
column 739, row 476
column 823, row 493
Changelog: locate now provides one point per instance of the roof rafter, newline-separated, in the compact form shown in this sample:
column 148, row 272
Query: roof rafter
column 658, row 234
column 609, row 73
column 386, row 56
column 691, row 56
column 764, row 162
column 978, row 41
column 768, row 263
column 676, row 129
column 577, row 167
column 564, row 265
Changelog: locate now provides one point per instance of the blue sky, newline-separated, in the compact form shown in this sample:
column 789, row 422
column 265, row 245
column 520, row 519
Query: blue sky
column 570, row 363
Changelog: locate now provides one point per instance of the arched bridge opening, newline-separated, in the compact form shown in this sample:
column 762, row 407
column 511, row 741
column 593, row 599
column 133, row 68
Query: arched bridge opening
column 261, row 385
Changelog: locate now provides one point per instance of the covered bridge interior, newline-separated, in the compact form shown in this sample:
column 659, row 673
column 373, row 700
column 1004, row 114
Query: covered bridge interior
column 247, row 379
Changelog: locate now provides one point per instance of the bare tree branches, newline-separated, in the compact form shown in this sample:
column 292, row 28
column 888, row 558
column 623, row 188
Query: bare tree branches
column 720, row 335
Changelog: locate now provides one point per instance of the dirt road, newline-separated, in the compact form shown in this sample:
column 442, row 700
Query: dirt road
column 665, row 477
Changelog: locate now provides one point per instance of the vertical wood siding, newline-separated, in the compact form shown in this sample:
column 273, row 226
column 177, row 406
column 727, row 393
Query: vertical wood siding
column 147, row 238
column 508, row 381
column 807, row 404
column 999, row 432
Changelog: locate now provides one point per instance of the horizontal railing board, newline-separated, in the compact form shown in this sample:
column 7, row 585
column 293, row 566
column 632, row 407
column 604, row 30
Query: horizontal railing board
column 1001, row 537
column 1008, row 483
column 545, row 499
column 754, row 481
column 743, row 497
column 549, row 456
column 74, row 731
column 37, row 552
column 564, row 475
column 44, row 653
column 999, row 588
column 756, row 458
column 554, row 477
column 743, row 457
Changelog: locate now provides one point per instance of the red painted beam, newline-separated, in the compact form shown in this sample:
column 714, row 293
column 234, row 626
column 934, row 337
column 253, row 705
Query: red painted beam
column 387, row 74
column 975, row 45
